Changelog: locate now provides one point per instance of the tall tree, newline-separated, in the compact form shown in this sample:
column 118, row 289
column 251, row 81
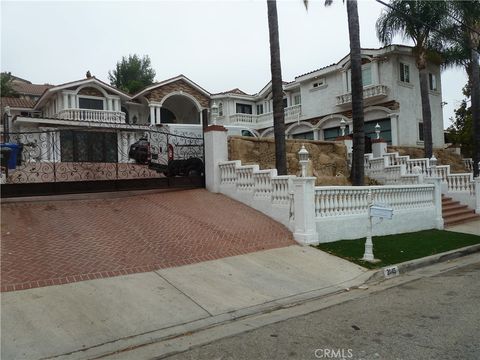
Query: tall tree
column 416, row 20
column 357, row 174
column 462, row 39
column 461, row 132
column 7, row 90
column 132, row 74
column 277, row 89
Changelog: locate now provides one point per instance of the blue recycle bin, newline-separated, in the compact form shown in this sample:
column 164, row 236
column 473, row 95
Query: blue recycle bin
column 12, row 159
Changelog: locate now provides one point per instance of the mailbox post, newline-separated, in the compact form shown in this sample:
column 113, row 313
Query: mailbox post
column 382, row 211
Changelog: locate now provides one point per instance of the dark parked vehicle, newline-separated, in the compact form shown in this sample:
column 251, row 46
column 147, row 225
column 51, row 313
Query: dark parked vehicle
column 140, row 151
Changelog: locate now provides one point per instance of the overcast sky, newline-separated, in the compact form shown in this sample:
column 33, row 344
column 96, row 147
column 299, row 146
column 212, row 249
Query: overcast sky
column 218, row 44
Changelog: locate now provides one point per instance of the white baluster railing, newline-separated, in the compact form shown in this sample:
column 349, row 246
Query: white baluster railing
column 281, row 189
column 104, row 116
column 245, row 177
column 461, row 183
column 228, row 173
column 349, row 200
column 263, row 183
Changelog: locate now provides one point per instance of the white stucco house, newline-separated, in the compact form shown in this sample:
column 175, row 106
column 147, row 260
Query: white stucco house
column 315, row 103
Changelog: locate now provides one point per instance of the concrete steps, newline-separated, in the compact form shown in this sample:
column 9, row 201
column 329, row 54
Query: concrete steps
column 456, row 213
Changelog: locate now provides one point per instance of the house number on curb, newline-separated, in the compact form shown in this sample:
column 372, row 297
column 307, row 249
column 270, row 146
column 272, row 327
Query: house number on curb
column 391, row 271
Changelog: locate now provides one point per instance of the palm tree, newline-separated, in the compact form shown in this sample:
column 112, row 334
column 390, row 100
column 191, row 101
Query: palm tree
column 415, row 20
column 358, row 172
column 463, row 51
column 277, row 89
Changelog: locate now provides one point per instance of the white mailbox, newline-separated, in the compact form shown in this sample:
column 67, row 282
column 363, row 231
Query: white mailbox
column 381, row 211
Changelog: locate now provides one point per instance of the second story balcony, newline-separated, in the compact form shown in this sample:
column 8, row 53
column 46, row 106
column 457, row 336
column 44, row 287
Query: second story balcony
column 372, row 92
column 292, row 114
column 90, row 115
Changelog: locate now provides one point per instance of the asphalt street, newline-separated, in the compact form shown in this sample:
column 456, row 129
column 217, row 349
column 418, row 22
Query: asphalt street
column 434, row 317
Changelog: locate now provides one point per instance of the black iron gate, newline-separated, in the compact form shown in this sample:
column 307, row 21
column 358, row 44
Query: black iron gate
column 73, row 160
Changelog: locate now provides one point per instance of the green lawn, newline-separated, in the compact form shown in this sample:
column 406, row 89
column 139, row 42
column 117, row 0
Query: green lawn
column 394, row 249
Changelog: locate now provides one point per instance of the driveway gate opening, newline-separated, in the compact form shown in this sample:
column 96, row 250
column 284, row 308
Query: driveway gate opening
column 71, row 160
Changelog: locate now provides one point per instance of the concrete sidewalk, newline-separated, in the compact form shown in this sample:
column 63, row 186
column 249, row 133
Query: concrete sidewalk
column 97, row 317
column 472, row 227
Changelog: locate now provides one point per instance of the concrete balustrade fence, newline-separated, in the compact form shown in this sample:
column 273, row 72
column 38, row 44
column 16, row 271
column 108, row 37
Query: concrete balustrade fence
column 390, row 168
column 323, row 213
column 341, row 212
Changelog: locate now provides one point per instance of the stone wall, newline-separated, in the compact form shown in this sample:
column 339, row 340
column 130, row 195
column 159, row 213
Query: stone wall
column 328, row 158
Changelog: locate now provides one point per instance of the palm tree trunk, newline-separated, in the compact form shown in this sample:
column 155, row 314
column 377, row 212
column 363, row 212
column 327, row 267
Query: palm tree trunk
column 475, row 94
column 358, row 152
column 426, row 114
column 277, row 90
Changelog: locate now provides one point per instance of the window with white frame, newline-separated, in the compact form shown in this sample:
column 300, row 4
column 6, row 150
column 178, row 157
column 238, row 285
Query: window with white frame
column 432, row 82
column 260, row 109
column 367, row 74
column 318, row 83
column 243, row 108
column 297, row 99
column 90, row 103
column 220, row 109
column 404, row 73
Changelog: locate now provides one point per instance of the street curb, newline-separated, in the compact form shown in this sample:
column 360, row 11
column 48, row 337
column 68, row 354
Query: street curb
column 411, row 265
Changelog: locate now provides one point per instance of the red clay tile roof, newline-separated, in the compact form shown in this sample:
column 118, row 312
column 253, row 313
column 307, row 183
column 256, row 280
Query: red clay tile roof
column 30, row 89
column 233, row 91
column 16, row 102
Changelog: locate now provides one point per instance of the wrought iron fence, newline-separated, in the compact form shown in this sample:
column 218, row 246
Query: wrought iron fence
column 95, row 154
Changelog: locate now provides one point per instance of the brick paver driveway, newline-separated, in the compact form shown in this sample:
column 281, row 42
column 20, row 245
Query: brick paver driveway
column 55, row 242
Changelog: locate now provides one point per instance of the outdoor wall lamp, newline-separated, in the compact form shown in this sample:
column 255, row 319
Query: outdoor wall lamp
column 214, row 113
column 343, row 126
column 377, row 131
column 303, row 159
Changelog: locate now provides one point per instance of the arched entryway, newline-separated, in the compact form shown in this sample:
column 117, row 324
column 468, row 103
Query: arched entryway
column 180, row 109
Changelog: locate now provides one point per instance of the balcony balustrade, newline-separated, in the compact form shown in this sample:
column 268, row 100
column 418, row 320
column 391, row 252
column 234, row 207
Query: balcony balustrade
column 102, row 116
column 292, row 114
column 369, row 93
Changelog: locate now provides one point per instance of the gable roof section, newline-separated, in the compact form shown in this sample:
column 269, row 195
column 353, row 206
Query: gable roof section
column 235, row 91
column 92, row 80
column 171, row 80
column 15, row 103
column 30, row 89
column 364, row 51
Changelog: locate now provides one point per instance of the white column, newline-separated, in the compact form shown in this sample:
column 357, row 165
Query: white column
column 152, row 115
column 73, row 102
column 305, row 231
column 379, row 148
column 216, row 150
column 157, row 114
column 124, row 140
column 437, row 181
column 109, row 104
column 344, row 81
column 116, row 105
column 65, row 101
column 375, row 74
column 394, row 129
